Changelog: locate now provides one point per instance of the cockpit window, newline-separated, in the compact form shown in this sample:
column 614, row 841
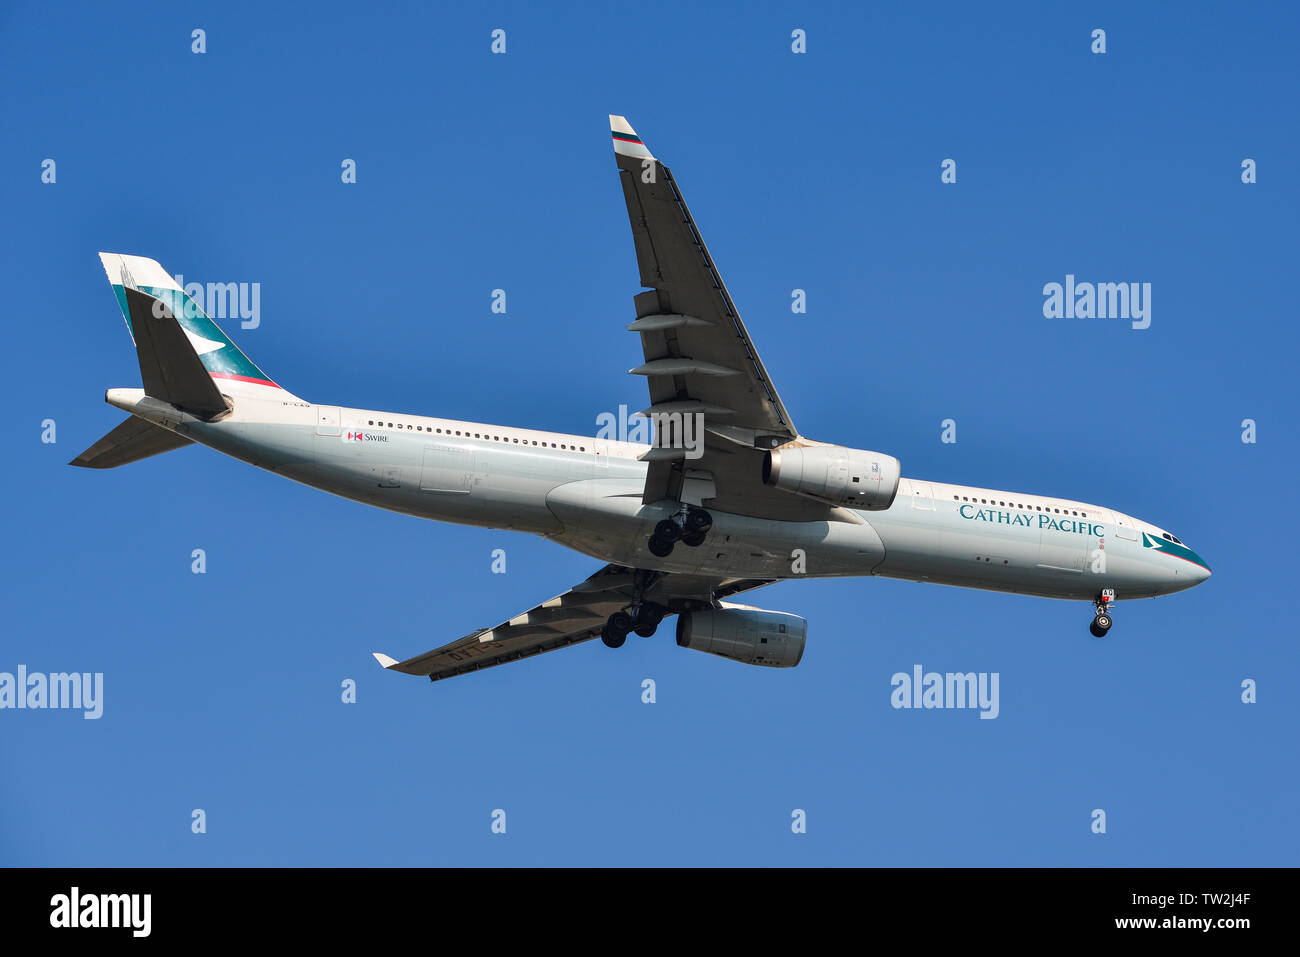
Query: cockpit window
column 1172, row 538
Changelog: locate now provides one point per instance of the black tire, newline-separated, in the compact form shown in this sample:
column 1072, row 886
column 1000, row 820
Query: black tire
column 645, row 631
column 1103, row 622
column 668, row 531
column 659, row 548
column 620, row 623
column 612, row 641
column 1096, row 632
column 649, row 615
column 693, row 539
column 698, row 520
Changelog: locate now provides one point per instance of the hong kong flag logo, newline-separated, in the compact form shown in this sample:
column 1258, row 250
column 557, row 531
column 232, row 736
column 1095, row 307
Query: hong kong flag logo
column 354, row 437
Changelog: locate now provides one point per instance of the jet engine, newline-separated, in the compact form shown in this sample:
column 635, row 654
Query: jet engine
column 749, row 635
column 832, row 473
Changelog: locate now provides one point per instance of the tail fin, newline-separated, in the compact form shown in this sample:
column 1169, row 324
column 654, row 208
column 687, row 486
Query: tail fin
column 219, row 355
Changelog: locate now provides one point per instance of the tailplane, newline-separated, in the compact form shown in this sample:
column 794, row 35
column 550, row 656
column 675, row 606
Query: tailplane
column 133, row 440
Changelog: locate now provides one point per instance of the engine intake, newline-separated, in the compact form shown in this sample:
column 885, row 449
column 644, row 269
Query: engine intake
column 752, row 636
column 831, row 473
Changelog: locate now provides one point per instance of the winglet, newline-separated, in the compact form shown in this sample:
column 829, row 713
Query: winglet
column 383, row 659
column 626, row 142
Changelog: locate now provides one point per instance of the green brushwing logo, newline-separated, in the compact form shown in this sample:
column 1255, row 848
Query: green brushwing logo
column 1173, row 548
column 218, row 353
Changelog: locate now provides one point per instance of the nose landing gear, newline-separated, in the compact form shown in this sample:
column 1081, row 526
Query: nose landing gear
column 1102, row 622
column 689, row 526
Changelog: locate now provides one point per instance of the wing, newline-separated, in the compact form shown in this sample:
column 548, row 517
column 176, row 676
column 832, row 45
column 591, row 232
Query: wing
column 699, row 358
column 576, row 616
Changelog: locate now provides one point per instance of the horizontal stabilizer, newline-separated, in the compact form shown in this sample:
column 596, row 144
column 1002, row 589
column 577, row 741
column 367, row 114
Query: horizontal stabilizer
column 133, row 440
column 169, row 365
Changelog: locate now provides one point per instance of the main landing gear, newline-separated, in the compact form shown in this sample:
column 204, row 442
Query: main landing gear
column 642, row 619
column 641, row 616
column 1101, row 624
column 688, row 527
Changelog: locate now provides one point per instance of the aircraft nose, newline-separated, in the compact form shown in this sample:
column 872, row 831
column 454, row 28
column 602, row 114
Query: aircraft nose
column 1194, row 570
column 1182, row 566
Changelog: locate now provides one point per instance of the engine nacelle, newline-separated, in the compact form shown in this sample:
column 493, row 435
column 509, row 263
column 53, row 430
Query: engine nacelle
column 750, row 635
column 832, row 473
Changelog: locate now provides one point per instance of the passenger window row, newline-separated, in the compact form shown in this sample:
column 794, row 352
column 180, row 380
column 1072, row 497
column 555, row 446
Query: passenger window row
column 492, row 438
column 1027, row 508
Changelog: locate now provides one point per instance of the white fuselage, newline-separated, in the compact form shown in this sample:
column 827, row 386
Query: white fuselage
column 586, row 494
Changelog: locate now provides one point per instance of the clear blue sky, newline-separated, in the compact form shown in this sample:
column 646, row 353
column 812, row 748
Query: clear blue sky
column 817, row 171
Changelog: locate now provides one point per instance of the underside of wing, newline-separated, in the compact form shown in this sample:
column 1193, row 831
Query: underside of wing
column 701, row 366
column 576, row 616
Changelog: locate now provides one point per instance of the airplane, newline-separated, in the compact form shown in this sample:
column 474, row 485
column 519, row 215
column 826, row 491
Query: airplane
column 728, row 497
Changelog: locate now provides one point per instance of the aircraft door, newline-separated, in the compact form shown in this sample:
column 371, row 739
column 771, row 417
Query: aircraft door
column 922, row 496
column 1061, row 547
column 446, row 469
column 327, row 420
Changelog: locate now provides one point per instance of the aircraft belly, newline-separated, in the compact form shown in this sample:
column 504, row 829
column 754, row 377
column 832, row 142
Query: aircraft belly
column 606, row 519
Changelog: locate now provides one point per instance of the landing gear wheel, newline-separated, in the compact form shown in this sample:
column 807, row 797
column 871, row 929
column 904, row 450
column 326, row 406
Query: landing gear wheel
column 668, row 531
column 693, row 539
column 659, row 548
column 616, row 628
column 648, row 615
column 1101, row 624
column 699, row 521
column 645, row 631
